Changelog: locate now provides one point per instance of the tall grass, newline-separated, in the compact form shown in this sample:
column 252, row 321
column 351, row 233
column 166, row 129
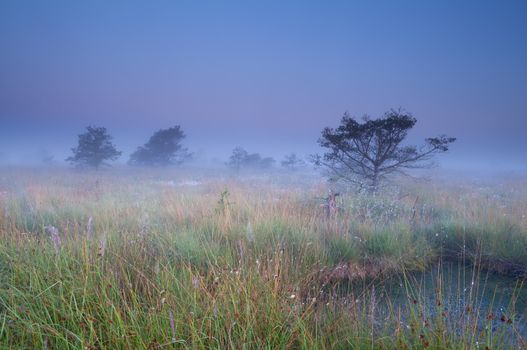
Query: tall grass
column 246, row 263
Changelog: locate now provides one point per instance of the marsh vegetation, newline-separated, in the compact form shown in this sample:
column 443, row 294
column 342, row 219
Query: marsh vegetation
column 196, row 259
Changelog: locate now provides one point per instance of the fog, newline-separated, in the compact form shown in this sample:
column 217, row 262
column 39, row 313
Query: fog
column 210, row 148
column 187, row 174
column 268, row 78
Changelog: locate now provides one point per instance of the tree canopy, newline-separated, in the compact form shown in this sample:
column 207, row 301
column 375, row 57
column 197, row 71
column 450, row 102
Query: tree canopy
column 163, row 148
column 240, row 158
column 292, row 162
column 94, row 148
column 374, row 149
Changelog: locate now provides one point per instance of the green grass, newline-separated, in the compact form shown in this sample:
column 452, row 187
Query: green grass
column 184, row 267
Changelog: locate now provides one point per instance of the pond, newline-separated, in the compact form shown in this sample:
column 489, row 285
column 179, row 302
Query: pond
column 463, row 296
column 459, row 297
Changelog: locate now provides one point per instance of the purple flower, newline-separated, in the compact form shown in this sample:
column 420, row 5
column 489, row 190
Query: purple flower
column 55, row 238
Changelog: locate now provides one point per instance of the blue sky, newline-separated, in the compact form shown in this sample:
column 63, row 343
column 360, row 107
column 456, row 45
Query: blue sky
column 266, row 75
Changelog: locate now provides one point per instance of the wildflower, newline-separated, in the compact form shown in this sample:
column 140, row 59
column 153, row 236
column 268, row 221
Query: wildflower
column 55, row 238
column 292, row 296
column 89, row 227
column 172, row 325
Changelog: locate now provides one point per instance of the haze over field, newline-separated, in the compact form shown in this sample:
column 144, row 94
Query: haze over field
column 265, row 76
column 259, row 196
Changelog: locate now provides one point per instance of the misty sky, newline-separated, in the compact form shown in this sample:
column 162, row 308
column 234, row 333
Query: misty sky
column 265, row 75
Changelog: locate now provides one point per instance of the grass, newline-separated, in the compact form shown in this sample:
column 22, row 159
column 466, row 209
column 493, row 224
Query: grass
column 250, row 262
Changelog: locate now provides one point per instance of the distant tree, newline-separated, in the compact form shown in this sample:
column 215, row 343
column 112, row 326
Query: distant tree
column 240, row 158
column 237, row 158
column 256, row 161
column 163, row 148
column 292, row 162
column 266, row 162
column 94, row 148
column 373, row 149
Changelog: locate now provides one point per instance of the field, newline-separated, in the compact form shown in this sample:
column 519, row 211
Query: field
column 132, row 259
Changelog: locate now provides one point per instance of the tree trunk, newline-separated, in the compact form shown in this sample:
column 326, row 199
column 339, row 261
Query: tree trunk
column 375, row 180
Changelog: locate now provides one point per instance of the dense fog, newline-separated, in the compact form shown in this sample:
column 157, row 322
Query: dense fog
column 267, row 78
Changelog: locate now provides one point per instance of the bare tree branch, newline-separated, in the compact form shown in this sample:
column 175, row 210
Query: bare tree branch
column 374, row 148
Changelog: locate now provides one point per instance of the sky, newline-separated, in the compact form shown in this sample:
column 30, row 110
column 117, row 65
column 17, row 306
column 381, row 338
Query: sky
column 264, row 75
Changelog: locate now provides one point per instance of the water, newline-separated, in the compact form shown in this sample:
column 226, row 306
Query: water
column 461, row 296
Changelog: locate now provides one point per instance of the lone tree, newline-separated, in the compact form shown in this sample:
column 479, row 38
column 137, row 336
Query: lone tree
column 292, row 162
column 94, row 148
column 163, row 148
column 373, row 149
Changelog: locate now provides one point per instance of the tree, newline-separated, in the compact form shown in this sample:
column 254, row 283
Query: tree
column 373, row 149
column 163, row 148
column 240, row 158
column 266, row 163
column 292, row 162
column 237, row 158
column 94, row 148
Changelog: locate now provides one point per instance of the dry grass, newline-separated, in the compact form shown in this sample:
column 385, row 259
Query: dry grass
column 238, row 263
